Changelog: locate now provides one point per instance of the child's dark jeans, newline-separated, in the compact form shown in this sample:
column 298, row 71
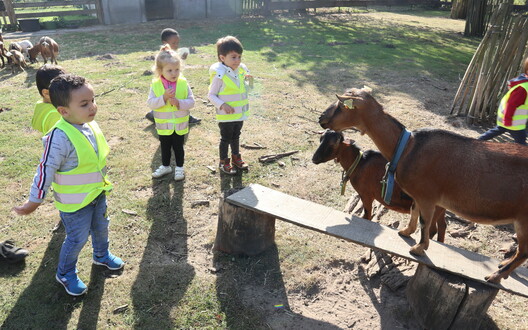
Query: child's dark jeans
column 519, row 136
column 230, row 136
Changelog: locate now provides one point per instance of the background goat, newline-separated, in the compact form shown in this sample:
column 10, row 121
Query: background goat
column 17, row 60
column 47, row 48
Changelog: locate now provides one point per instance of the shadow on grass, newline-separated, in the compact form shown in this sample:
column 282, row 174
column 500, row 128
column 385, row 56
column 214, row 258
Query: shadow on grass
column 164, row 272
column 44, row 303
column 252, row 294
column 251, row 290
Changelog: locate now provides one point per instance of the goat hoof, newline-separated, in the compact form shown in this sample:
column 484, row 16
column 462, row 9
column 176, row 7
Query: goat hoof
column 493, row 278
column 417, row 250
column 405, row 233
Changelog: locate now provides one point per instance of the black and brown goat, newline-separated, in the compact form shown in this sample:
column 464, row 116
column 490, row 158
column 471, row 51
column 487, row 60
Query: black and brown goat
column 366, row 176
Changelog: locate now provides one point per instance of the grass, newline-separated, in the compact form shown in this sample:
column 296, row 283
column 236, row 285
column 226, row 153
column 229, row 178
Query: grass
column 299, row 64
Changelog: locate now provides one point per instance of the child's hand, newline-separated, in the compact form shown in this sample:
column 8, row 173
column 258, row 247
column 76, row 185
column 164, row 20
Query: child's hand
column 27, row 208
column 169, row 93
column 174, row 101
column 249, row 79
column 227, row 108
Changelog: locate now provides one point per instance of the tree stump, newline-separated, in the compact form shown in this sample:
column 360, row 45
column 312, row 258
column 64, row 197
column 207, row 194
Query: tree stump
column 241, row 231
column 445, row 301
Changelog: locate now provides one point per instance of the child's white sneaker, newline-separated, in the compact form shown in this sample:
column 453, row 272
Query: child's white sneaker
column 179, row 173
column 161, row 171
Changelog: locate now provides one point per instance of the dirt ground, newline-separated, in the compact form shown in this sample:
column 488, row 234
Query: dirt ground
column 344, row 292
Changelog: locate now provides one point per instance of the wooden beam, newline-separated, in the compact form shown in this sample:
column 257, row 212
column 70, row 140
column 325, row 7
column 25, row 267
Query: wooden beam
column 326, row 220
column 53, row 3
column 58, row 13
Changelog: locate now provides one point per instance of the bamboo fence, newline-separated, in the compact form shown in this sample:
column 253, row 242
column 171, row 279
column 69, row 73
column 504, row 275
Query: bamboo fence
column 498, row 58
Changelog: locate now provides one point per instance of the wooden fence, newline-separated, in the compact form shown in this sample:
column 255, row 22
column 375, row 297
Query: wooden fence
column 11, row 9
column 498, row 58
column 265, row 7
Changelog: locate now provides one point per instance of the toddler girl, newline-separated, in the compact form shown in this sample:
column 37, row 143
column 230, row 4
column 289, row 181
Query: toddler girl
column 171, row 98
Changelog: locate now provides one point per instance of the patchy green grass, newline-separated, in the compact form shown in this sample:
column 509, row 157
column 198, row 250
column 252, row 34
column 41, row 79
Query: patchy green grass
column 299, row 64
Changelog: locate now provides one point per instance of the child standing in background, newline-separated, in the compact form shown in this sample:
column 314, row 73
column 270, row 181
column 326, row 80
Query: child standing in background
column 227, row 91
column 45, row 114
column 513, row 110
column 74, row 163
column 171, row 98
column 171, row 37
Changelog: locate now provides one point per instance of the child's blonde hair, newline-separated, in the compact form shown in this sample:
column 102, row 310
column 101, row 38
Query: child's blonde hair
column 525, row 66
column 165, row 56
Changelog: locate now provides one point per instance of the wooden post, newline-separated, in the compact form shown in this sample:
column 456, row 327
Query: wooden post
column 241, row 231
column 100, row 14
column 445, row 301
column 10, row 11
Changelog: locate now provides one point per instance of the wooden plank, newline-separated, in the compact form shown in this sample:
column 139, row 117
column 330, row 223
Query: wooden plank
column 58, row 13
column 351, row 228
column 43, row 4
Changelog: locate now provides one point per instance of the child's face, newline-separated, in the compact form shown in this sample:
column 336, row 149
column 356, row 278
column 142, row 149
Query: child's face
column 173, row 41
column 232, row 59
column 82, row 108
column 171, row 71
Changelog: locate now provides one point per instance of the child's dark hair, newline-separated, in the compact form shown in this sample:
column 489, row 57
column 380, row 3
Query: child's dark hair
column 228, row 44
column 45, row 74
column 61, row 88
column 167, row 33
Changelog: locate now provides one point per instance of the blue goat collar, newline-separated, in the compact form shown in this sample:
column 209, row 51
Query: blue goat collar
column 387, row 183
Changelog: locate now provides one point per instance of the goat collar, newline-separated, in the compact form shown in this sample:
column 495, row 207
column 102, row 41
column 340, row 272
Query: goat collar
column 346, row 175
column 387, row 183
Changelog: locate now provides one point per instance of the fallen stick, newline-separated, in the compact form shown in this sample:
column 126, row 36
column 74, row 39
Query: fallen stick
column 254, row 146
column 274, row 157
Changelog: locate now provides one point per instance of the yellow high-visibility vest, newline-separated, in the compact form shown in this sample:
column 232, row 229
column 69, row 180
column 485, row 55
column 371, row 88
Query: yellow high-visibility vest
column 520, row 116
column 235, row 96
column 76, row 188
column 169, row 118
column 45, row 116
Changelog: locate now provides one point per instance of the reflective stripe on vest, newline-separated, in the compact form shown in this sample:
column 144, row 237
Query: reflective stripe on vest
column 45, row 117
column 168, row 118
column 520, row 116
column 235, row 96
column 78, row 187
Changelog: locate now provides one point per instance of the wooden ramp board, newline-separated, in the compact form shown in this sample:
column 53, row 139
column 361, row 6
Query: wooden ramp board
column 351, row 228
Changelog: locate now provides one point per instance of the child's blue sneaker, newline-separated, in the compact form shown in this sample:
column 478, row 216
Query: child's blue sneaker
column 109, row 260
column 72, row 283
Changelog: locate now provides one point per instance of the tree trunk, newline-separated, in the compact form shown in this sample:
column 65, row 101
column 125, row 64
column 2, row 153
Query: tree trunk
column 241, row 231
column 459, row 9
column 445, row 301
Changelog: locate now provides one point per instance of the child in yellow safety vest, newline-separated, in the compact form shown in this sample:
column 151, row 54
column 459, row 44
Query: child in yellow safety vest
column 171, row 98
column 512, row 114
column 228, row 92
column 171, row 37
column 45, row 115
column 74, row 164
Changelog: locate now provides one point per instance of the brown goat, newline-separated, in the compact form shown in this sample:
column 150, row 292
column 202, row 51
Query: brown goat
column 47, row 48
column 17, row 60
column 3, row 53
column 366, row 177
column 484, row 182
